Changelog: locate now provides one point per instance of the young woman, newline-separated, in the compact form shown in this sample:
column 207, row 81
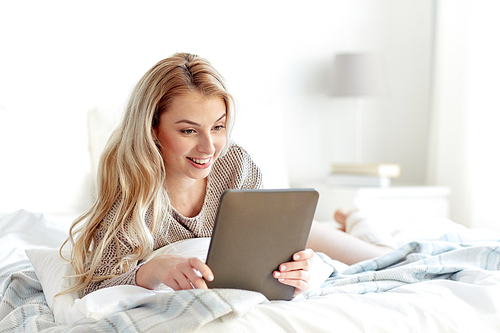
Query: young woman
column 160, row 179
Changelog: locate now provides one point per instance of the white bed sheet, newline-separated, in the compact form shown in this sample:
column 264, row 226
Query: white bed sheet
column 432, row 306
column 22, row 230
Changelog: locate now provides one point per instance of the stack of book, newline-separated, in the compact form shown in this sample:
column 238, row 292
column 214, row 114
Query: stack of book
column 363, row 174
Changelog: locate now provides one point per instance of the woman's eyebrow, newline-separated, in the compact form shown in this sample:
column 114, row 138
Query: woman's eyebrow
column 194, row 123
column 221, row 117
column 187, row 122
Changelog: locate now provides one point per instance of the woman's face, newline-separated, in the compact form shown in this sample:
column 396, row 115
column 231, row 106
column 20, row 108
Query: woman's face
column 192, row 133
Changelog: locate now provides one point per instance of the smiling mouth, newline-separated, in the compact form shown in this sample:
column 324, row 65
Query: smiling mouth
column 200, row 161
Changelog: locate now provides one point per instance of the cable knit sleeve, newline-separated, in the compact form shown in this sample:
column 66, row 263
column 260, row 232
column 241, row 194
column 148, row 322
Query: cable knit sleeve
column 109, row 259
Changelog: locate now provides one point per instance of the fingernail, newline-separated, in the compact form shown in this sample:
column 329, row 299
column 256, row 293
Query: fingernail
column 281, row 280
column 282, row 267
column 296, row 257
column 210, row 278
column 277, row 274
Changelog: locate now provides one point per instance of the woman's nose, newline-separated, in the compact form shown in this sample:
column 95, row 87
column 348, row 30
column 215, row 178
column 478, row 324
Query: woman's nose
column 206, row 145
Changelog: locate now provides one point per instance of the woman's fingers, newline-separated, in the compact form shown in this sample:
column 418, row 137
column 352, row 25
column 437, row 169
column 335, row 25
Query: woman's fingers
column 197, row 272
column 297, row 279
column 189, row 274
column 303, row 255
column 203, row 268
column 180, row 280
column 296, row 273
column 301, row 261
column 172, row 283
column 292, row 275
column 295, row 265
column 174, row 271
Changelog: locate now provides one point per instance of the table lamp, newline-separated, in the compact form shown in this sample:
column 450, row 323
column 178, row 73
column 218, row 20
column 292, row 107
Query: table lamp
column 358, row 75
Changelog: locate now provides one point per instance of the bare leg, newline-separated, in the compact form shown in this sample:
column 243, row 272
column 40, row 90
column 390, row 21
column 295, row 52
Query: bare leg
column 341, row 246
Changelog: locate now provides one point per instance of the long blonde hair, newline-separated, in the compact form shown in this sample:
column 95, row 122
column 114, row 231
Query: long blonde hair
column 131, row 172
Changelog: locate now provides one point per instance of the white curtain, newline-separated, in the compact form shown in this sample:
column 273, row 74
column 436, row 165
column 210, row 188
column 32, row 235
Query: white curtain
column 464, row 151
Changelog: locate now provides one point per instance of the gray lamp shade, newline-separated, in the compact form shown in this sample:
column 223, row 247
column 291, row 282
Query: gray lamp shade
column 357, row 74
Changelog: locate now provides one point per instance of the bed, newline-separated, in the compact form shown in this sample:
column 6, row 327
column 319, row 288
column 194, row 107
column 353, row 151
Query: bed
column 451, row 284
column 442, row 277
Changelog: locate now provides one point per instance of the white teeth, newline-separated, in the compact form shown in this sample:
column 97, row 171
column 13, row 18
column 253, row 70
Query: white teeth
column 200, row 161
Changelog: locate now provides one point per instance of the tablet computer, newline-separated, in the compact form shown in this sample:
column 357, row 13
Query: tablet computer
column 255, row 231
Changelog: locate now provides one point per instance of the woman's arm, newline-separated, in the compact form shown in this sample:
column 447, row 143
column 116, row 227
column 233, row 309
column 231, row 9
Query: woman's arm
column 175, row 271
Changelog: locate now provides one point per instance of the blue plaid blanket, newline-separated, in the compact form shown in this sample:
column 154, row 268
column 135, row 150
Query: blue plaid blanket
column 23, row 307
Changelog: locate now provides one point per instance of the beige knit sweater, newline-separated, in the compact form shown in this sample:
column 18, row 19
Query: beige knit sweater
column 234, row 170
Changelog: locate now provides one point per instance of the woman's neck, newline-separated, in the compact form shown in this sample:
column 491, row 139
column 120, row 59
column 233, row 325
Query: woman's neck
column 188, row 196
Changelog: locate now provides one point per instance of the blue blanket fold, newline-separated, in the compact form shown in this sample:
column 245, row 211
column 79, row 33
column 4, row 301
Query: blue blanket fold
column 412, row 263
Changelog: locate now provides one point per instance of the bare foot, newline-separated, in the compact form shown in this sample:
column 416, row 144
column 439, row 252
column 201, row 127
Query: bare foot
column 341, row 215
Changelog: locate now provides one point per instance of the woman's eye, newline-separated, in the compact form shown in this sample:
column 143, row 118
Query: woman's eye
column 187, row 131
column 219, row 127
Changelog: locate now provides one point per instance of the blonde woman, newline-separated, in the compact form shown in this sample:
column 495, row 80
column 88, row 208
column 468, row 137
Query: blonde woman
column 160, row 179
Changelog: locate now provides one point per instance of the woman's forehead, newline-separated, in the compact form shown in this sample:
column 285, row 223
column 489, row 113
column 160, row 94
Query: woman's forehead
column 195, row 106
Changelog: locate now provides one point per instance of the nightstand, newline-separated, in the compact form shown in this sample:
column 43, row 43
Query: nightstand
column 396, row 204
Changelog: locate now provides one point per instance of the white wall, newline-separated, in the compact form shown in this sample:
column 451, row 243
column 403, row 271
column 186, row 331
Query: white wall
column 464, row 154
column 395, row 128
column 448, row 150
column 484, row 112
column 59, row 58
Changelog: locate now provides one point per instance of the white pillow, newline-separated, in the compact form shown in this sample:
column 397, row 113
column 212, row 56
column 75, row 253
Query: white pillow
column 50, row 269
column 69, row 309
